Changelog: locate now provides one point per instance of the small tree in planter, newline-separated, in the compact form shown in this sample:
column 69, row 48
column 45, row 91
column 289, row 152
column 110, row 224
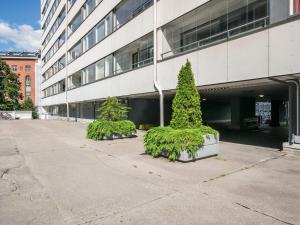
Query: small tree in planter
column 185, row 138
column 111, row 122
column 186, row 104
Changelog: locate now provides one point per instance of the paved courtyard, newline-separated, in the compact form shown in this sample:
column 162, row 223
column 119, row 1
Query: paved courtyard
column 50, row 174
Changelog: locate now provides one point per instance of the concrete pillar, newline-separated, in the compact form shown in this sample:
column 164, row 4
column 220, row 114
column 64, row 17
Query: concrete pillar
column 275, row 107
column 235, row 113
column 241, row 108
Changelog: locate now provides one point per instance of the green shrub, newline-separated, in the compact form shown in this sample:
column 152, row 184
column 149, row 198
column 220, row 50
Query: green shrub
column 186, row 130
column 28, row 105
column 100, row 129
column 173, row 141
column 112, row 109
column 186, row 104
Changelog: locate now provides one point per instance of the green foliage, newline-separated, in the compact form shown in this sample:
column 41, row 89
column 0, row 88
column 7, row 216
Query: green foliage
column 186, row 104
column 100, row 129
column 113, row 110
column 173, row 141
column 186, row 130
column 28, row 105
column 9, row 88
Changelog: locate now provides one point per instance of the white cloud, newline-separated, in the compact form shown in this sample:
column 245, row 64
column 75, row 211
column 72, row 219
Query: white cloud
column 24, row 37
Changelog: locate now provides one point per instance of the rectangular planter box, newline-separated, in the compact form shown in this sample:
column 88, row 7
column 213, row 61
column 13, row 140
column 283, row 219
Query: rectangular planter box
column 114, row 137
column 210, row 148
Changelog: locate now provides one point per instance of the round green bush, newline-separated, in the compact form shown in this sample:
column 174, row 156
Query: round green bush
column 101, row 129
column 172, row 141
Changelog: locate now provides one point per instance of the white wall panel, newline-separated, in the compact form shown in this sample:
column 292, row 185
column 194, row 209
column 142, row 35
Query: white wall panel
column 134, row 82
column 54, row 79
column 54, row 100
column 169, row 10
column 285, row 49
column 248, row 57
column 209, row 66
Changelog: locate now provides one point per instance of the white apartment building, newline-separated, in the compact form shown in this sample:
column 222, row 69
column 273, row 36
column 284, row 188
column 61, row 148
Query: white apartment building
column 242, row 52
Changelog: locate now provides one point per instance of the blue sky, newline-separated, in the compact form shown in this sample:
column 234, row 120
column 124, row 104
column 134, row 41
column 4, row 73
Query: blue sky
column 19, row 25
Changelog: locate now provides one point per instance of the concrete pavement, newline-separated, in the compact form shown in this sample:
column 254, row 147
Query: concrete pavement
column 51, row 174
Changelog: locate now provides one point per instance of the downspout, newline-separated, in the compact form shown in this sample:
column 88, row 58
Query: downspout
column 297, row 104
column 66, row 58
column 156, row 85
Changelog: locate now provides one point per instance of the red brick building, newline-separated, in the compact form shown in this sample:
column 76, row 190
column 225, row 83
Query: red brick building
column 23, row 63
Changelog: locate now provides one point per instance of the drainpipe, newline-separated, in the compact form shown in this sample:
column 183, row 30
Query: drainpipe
column 297, row 104
column 156, row 85
column 66, row 58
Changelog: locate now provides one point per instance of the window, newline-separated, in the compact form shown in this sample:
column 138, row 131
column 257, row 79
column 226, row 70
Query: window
column 89, row 74
column 96, row 71
column 74, row 80
column 138, row 53
column 90, row 6
column 71, row 3
column 61, row 63
column 75, row 23
column 27, row 68
column 55, row 47
column 100, row 30
column 90, row 39
column 98, row 33
column 75, row 52
column 57, row 66
column 55, row 26
column 54, row 89
column 14, row 68
column 100, row 69
column 51, row 14
column 27, row 87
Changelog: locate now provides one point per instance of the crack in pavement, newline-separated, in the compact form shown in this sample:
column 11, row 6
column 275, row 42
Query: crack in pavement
column 113, row 214
column 246, row 167
column 5, row 171
column 262, row 213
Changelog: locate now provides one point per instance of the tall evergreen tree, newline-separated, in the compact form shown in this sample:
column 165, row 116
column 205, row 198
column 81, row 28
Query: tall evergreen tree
column 186, row 104
column 9, row 88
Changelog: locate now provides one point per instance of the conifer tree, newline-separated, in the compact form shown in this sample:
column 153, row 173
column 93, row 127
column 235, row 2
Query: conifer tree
column 112, row 109
column 186, row 104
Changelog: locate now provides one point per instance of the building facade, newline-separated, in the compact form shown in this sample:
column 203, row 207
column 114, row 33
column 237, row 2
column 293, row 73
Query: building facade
column 242, row 52
column 23, row 63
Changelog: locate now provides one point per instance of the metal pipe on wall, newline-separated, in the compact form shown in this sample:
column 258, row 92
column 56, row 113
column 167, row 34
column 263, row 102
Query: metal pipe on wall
column 297, row 104
column 156, row 85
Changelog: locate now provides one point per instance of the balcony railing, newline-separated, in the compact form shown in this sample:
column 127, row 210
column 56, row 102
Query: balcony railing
column 257, row 24
column 134, row 13
column 134, row 66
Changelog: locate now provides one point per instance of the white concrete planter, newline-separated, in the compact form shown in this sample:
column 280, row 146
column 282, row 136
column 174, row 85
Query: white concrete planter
column 22, row 115
column 114, row 137
column 209, row 148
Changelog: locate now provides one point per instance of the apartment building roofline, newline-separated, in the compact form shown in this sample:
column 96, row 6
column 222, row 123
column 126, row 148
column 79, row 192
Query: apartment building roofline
column 19, row 55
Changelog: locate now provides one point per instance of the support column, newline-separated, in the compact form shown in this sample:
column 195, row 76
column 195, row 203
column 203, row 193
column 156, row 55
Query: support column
column 241, row 108
column 235, row 113
column 275, row 108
